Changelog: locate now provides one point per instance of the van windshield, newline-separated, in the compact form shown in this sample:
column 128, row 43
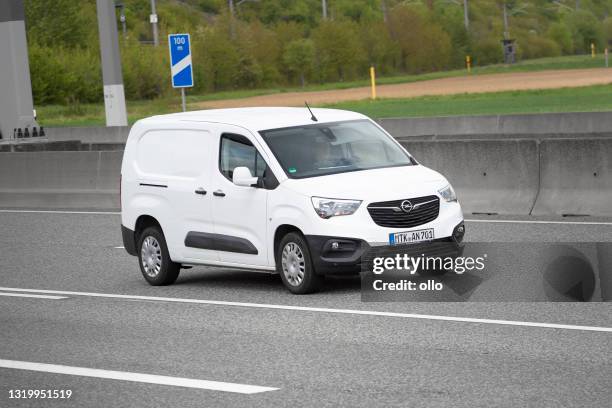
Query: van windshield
column 330, row 148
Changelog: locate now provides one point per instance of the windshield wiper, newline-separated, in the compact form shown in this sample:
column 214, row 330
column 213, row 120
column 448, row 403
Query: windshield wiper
column 334, row 167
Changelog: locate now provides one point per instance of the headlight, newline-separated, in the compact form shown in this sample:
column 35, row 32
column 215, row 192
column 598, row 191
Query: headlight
column 331, row 207
column 448, row 194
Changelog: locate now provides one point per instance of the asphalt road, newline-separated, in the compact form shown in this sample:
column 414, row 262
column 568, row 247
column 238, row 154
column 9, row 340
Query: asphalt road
column 326, row 349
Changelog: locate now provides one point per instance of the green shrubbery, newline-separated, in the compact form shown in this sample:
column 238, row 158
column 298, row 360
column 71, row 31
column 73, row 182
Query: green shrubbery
column 272, row 43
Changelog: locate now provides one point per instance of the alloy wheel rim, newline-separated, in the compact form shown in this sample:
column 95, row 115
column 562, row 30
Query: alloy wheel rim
column 293, row 264
column 150, row 255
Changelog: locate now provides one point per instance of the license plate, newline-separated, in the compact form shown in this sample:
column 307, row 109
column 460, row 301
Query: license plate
column 410, row 237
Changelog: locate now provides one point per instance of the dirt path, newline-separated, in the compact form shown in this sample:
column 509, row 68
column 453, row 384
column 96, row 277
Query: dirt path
column 516, row 81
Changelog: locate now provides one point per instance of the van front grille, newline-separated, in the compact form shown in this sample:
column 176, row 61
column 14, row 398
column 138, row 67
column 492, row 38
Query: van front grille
column 417, row 211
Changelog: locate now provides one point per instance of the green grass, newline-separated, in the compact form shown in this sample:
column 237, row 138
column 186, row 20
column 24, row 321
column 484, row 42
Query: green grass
column 93, row 114
column 584, row 99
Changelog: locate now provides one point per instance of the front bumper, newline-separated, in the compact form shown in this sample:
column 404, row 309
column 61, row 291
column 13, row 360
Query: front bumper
column 342, row 255
column 336, row 255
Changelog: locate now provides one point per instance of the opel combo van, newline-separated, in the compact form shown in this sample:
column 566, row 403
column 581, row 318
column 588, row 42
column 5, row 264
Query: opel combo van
column 290, row 191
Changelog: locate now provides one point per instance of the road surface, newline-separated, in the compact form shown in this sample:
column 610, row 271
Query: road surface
column 76, row 314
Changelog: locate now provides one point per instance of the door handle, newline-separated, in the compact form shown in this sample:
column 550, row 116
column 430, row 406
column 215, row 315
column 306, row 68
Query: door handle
column 219, row 193
column 200, row 191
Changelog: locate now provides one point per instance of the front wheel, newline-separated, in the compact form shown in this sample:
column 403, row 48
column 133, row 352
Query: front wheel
column 154, row 258
column 294, row 265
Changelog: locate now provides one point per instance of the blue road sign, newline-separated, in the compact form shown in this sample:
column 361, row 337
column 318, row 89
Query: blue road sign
column 180, row 60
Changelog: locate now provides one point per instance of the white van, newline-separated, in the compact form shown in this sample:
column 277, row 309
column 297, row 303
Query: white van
column 285, row 190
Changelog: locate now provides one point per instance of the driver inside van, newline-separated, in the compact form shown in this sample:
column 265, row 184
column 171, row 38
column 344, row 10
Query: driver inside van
column 326, row 155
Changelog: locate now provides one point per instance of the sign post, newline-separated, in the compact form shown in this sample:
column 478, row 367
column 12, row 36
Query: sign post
column 181, row 68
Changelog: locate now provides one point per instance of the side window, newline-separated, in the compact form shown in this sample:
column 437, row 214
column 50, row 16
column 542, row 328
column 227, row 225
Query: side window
column 238, row 151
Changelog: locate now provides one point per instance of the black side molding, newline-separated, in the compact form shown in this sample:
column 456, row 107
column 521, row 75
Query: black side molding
column 219, row 242
column 154, row 185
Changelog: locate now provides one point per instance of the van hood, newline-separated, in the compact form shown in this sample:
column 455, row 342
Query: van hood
column 391, row 183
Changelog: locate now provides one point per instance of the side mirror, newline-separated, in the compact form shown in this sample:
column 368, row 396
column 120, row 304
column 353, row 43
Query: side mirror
column 242, row 177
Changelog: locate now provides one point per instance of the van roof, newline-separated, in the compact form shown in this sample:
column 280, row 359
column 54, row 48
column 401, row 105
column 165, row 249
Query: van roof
column 260, row 118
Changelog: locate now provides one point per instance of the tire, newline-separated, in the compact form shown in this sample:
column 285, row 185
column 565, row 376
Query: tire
column 154, row 259
column 294, row 265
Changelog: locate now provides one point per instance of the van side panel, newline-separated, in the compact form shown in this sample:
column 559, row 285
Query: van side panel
column 162, row 168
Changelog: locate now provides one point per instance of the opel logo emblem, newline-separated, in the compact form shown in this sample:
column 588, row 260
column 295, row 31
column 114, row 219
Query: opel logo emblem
column 406, row 206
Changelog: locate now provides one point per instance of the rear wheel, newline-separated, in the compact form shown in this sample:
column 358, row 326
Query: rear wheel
column 294, row 265
column 154, row 258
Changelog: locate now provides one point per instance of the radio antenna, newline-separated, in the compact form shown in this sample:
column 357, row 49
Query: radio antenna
column 313, row 117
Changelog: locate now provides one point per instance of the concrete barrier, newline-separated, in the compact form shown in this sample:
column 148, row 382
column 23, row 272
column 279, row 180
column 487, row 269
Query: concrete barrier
column 63, row 146
column 535, row 126
column 541, row 125
column 97, row 134
column 60, row 179
column 489, row 176
column 575, row 177
column 500, row 125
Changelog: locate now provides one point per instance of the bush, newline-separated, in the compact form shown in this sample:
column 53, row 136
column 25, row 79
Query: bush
column 146, row 72
column 217, row 59
column 260, row 49
column 61, row 76
column 298, row 59
column 49, row 83
column 380, row 49
column 561, row 34
column 534, row 46
column 607, row 31
column 424, row 45
column 487, row 51
column 586, row 29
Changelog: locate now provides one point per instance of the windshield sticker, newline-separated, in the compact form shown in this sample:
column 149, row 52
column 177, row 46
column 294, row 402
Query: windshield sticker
column 292, row 170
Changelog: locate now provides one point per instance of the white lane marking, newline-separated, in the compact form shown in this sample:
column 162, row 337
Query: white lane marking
column 25, row 295
column 322, row 310
column 119, row 247
column 136, row 377
column 60, row 212
column 540, row 222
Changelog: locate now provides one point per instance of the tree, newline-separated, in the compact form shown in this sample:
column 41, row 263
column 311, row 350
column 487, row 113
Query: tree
column 261, row 48
column 561, row 34
column 424, row 44
column 586, row 29
column 380, row 49
column 339, row 53
column 607, row 31
column 299, row 57
column 56, row 22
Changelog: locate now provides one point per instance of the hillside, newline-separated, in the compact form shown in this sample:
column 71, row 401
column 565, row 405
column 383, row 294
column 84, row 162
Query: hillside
column 279, row 43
